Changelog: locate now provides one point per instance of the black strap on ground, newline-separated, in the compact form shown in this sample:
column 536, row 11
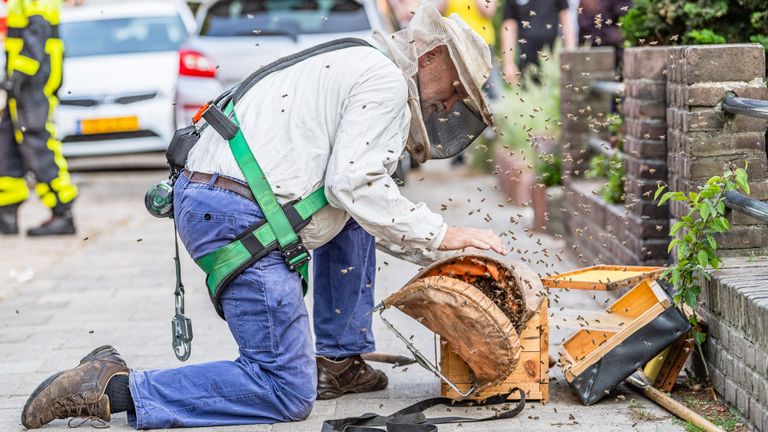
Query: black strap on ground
column 412, row 418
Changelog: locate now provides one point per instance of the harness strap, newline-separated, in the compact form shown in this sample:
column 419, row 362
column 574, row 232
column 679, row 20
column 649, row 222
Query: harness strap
column 224, row 264
column 296, row 255
column 412, row 418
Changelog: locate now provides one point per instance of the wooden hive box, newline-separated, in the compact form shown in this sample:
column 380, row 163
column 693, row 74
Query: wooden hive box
column 531, row 374
column 614, row 343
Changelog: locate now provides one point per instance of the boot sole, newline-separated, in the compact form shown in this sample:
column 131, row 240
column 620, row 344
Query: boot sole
column 34, row 394
column 333, row 394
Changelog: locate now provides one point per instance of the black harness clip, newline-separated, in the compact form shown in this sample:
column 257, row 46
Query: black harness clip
column 296, row 255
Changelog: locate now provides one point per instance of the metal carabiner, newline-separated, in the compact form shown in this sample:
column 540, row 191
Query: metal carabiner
column 181, row 326
column 181, row 331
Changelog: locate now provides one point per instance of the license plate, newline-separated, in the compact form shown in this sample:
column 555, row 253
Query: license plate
column 109, row 124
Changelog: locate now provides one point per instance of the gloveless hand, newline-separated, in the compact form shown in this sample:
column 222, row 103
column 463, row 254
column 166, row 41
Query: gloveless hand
column 511, row 74
column 457, row 238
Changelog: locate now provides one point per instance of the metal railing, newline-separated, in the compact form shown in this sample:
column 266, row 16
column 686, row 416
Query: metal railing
column 745, row 106
column 735, row 200
column 608, row 88
column 749, row 206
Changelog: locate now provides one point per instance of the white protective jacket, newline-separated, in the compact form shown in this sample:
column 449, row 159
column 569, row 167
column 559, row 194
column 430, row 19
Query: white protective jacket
column 341, row 120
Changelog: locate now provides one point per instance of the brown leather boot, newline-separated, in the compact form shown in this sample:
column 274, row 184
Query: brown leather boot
column 77, row 392
column 350, row 375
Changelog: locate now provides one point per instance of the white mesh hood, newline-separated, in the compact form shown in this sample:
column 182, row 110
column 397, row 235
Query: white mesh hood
column 467, row 49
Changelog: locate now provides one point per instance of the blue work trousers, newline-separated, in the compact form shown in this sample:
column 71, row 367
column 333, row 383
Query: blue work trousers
column 274, row 379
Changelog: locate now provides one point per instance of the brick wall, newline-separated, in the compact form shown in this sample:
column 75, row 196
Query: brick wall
column 596, row 232
column 580, row 112
column 735, row 307
column 702, row 139
column 645, row 152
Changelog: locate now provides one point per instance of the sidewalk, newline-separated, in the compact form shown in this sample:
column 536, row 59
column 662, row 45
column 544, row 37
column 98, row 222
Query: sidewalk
column 113, row 284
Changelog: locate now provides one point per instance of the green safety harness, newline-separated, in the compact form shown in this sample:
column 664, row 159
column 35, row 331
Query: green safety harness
column 282, row 223
column 278, row 231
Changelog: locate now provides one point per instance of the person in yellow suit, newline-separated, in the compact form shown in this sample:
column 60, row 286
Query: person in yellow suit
column 34, row 54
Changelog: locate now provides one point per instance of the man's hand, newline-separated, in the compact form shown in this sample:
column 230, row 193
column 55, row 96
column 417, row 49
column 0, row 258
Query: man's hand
column 511, row 73
column 457, row 238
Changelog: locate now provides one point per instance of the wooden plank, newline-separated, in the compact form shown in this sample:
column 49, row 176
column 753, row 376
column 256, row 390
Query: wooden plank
column 636, row 301
column 674, row 363
column 585, row 341
column 544, row 350
column 602, row 277
column 606, row 321
column 661, row 295
column 610, row 344
column 528, row 369
column 533, row 391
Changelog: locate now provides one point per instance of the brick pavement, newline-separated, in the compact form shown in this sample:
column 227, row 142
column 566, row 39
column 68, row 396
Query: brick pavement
column 113, row 283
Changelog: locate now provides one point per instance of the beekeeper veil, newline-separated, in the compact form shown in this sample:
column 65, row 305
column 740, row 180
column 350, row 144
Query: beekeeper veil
column 442, row 134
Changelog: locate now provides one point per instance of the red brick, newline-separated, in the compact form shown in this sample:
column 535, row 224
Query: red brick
column 705, row 167
column 743, row 237
column 638, row 108
column 645, row 168
column 721, row 143
column 732, row 62
column 588, row 59
column 639, row 189
column 645, row 148
column 645, row 129
column 711, row 94
column 646, row 62
column 645, row 89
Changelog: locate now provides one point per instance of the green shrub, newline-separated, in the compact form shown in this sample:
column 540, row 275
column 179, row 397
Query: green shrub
column 611, row 169
column 670, row 22
column 549, row 169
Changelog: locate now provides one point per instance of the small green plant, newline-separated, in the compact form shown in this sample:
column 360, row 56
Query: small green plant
column 549, row 169
column 613, row 191
column 598, row 167
column 696, row 245
column 611, row 169
column 728, row 421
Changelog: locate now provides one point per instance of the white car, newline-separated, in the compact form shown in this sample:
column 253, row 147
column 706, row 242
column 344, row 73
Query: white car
column 243, row 35
column 127, row 83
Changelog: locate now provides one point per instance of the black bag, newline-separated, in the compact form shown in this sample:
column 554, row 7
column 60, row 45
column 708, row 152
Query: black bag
column 182, row 142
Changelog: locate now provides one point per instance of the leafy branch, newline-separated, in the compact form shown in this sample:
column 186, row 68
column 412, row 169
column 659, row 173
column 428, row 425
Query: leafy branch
column 696, row 245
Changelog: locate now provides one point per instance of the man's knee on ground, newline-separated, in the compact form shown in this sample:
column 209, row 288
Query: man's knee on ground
column 298, row 406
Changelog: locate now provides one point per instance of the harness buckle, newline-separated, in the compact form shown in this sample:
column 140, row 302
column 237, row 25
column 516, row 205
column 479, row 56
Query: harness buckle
column 296, row 255
column 199, row 114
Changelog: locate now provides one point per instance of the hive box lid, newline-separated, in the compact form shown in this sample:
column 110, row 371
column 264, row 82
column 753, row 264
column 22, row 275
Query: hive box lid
column 602, row 277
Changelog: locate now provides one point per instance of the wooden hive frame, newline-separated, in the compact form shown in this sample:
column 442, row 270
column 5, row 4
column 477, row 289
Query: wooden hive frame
column 531, row 374
column 623, row 323
column 623, row 318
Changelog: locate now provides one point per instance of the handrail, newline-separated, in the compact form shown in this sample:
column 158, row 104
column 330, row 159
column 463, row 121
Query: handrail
column 602, row 147
column 745, row 106
column 610, row 88
column 749, row 206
